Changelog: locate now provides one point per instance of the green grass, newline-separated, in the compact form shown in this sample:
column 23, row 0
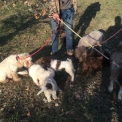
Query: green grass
column 21, row 32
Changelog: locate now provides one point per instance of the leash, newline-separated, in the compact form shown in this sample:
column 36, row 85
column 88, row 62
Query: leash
column 111, row 36
column 81, row 38
column 46, row 42
column 93, row 46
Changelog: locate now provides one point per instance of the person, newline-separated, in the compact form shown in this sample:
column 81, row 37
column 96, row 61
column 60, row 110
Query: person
column 63, row 9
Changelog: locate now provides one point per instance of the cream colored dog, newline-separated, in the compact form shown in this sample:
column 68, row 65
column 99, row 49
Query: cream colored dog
column 9, row 66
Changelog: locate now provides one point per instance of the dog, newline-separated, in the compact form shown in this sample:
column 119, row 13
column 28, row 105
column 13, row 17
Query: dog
column 91, row 59
column 58, row 65
column 10, row 65
column 81, row 52
column 93, row 38
column 95, row 61
column 116, row 70
column 44, row 79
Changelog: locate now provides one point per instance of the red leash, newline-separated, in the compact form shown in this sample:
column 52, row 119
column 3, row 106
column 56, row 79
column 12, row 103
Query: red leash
column 46, row 42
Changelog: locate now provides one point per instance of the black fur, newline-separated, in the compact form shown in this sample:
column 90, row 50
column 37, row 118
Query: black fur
column 49, row 86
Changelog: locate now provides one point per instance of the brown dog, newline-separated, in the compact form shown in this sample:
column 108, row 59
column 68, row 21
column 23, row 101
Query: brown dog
column 94, row 61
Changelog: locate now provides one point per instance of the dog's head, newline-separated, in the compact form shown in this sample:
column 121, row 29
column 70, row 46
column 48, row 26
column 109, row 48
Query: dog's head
column 92, row 64
column 81, row 53
column 24, row 60
column 46, row 61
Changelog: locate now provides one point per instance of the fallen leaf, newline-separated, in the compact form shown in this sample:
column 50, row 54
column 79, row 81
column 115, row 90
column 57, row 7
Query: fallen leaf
column 28, row 114
column 43, row 12
column 14, row 4
column 36, row 16
column 25, row 2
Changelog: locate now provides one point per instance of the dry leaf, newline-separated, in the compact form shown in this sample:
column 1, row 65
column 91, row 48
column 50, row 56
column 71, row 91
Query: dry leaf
column 37, row 5
column 14, row 4
column 29, row 4
column 36, row 16
column 45, row 0
column 43, row 12
column 28, row 114
column 25, row 2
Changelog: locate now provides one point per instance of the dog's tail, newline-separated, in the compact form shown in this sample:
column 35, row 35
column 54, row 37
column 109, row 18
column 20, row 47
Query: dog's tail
column 25, row 72
column 46, row 87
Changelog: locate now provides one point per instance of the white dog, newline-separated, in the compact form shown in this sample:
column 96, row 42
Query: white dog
column 9, row 66
column 44, row 79
column 93, row 38
column 58, row 65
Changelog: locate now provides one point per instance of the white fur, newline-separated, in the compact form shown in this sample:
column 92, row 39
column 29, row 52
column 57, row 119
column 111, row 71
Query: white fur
column 67, row 65
column 41, row 77
column 93, row 38
column 9, row 66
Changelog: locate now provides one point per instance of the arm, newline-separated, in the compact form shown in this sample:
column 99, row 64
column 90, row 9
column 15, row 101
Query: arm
column 52, row 7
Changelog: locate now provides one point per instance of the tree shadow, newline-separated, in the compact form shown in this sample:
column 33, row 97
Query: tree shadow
column 14, row 24
column 86, row 18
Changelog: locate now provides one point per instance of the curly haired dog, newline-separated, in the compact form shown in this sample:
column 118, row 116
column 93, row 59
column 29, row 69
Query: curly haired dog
column 81, row 52
column 10, row 65
column 91, row 59
column 116, row 70
column 44, row 79
column 58, row 65
column 95, row 61
column 93, row 38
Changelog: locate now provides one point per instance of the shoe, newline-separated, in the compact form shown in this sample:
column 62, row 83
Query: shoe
column 54, row 55
column 70, row 52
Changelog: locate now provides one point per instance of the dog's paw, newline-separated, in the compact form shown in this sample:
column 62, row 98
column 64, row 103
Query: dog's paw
column 54, row 97
column 17, row 79
column 5, row 81
column 110, row 88
column 120, row 94
column 120, row 97
column 49, row 100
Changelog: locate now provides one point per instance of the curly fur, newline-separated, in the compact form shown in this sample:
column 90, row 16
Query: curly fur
column 93, row 38
column 95, row 61
column 10, row 65
column 116, row 72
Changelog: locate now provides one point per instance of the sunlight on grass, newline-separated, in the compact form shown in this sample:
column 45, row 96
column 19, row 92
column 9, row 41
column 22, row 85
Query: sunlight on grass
column 21, row 32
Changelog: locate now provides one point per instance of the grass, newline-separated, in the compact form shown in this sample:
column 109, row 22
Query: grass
column 88, row 99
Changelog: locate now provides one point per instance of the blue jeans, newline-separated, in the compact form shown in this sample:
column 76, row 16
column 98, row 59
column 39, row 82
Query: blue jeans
column 67, row 16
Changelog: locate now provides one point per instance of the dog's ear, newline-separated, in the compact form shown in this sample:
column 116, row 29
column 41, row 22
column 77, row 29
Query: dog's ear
column 17, row 57
column 27, row 64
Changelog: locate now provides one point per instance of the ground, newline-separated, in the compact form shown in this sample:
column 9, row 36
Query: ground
column 85, row 100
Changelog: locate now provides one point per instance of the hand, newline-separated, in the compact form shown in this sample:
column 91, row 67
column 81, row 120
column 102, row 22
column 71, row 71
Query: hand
column 55, row 16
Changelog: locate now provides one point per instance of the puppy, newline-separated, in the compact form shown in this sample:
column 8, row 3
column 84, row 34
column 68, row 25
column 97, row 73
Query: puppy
column 44, row 79
column 116, row 70
column 58, row 65
column 10, row 65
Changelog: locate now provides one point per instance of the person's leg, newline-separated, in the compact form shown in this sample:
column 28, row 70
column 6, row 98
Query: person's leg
column 67, row 16
column 54, row 23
